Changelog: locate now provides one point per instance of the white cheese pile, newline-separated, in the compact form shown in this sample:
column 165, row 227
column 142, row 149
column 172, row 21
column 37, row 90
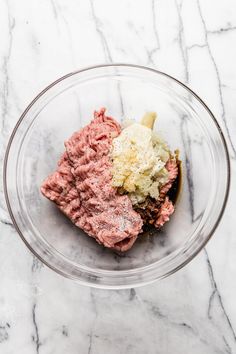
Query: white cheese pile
column 139, row 157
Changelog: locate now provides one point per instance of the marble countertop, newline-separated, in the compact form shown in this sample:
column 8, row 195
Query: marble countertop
column 193, row 311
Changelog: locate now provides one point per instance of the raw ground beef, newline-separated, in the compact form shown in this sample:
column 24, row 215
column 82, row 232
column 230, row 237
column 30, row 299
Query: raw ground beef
column 82, row 189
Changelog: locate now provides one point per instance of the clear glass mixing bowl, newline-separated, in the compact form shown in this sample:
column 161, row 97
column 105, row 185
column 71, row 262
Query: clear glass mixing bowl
column 65, row 106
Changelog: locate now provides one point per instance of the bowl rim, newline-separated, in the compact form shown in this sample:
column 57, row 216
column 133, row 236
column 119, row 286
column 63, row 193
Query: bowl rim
column 135, row 284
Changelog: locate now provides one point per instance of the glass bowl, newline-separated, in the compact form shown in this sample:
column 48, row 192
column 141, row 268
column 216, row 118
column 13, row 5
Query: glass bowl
column 65, row 106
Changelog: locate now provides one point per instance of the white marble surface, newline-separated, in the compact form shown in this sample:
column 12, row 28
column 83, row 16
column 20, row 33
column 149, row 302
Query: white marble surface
column 193, row 311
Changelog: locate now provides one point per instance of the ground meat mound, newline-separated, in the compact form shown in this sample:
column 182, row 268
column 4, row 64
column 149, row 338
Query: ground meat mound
column 82, row 188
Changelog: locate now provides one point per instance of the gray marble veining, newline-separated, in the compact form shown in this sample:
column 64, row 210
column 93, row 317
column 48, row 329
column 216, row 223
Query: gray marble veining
column 193, row 311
